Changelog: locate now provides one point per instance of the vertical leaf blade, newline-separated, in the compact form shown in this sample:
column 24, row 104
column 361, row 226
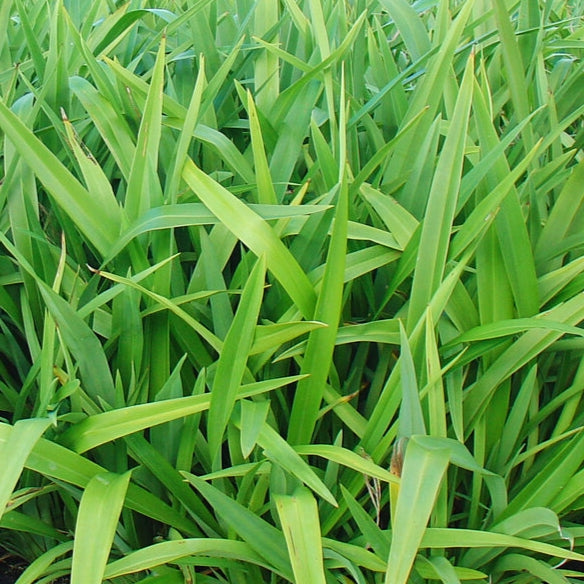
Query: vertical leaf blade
column 321, row 342
column 143, row 182
column 97, row 519
column 233, row 357
column 420, row 482
column 437, row 225
column 300, row 523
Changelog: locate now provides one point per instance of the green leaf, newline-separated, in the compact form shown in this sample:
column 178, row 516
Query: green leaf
column 107, row 426
column 83, row 209
column 441, row 567
column 253, row 417
column 398, row 220
column 269, row 337
column 562, row 214
column 410, row 26
column 374, row 536
column 233, row 357
column 437, row 538
column 429, row 92
column 529, row 345
column 437, row 225
column 267, row 541
column 97, row 520
column 96, row 180
column 143, row 189
column 321, row 342
column 168, row 552
column 39, row 566
column 14, row 452
column 279, row 451
column 411, row 418
column 266, row 192
column 255, row 233
column 190, row 214
column 514, row 66
column 79, row 338
column 112, row 126
column 347, row 458
column 421, row 478
column 533, row 566
column 503, row 328
column 298, row 515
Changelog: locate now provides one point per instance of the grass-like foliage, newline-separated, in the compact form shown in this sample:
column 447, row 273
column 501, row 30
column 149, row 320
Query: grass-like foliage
column 290, row 291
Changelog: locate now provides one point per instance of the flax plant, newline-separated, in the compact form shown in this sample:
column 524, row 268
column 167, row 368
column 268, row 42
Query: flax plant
column 292, row 291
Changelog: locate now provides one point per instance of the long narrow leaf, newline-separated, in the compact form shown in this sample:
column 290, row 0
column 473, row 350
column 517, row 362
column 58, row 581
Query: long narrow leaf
column 97, row 519
column 114, row 424
column 421, row 478
column 66, row 190
column 321, row 341
column 299, row 517
column 233, row 357
column 256, row 234
column 14, row 453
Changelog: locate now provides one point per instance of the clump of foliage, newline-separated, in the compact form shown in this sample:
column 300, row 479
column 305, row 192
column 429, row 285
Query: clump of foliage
column 291, row 291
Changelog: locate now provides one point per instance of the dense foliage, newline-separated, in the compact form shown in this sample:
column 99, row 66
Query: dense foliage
column 291, row 291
